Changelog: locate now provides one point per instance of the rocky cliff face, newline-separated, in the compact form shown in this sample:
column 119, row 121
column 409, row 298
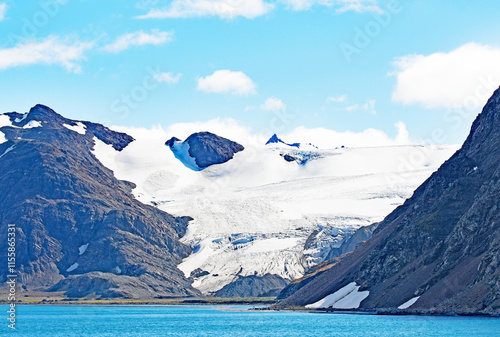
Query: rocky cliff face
column 441, row 247
column 79, row 229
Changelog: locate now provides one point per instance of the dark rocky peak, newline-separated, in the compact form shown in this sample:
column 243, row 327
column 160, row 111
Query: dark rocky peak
column 55, row 128
column 276, row 140
column 486, row 128
column 40, row 113
column 118, row 140
column 205, row 148
column 171, row 141
column 209, row 149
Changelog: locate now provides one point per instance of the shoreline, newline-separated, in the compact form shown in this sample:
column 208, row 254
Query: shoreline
column 267, row 302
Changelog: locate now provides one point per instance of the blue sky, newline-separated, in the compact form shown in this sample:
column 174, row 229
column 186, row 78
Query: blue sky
column 344, row 65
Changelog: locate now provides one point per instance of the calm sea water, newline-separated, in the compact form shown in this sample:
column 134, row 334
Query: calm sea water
column 218, row 321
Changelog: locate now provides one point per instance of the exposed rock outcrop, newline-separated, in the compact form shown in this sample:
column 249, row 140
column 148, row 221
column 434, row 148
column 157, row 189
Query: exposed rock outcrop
column 78, row 228
column 441, row 248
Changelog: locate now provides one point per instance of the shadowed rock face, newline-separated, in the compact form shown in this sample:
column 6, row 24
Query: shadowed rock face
column 442, row 244
column 208, row 149
column 62, row 199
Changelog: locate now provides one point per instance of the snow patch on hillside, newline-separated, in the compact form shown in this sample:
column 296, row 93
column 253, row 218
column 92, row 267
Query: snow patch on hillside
column 72, row 267
column 33, row 124
column 347, row 297
column 79, row 128
column 409, row 303
column 19, row 120
column 8, row 150
column 4, row 121
column 181, row 152
column 83, row 248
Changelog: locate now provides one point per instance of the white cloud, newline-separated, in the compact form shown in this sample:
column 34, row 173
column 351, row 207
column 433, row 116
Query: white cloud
column 3, row 9
column 370, row 106
column 139, row 38
column 466, row 76
column 327, row 139
column 273, row 104
column 322, row 137
column 169, row 78
column 359, row 6
column 51, row 50
column 227, row 81
column 337, row 99
column 352, row 107
column 341, row 6
column 226, row 9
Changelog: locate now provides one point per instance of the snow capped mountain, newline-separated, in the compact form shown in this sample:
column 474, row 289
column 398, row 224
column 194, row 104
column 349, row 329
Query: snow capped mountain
column 203, row 149
column 257, row 218
column 79, row 230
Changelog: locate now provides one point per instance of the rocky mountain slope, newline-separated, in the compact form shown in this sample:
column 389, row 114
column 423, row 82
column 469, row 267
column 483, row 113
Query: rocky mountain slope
column 78, row 228
column 438, row 252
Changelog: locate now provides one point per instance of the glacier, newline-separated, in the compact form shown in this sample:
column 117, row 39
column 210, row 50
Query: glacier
column 258, row 214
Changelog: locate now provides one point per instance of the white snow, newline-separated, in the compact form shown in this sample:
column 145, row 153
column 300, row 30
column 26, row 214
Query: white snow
column 83, row 248
column 4, row 121
column 73, row 267
column 32, row 124
column 8, row 150
column 409, row 303
column 181, row 152
column 269, row 245
column 79, row 128
column 118, row 270
column 347, row 297
column 19, row 120
column 253, row 214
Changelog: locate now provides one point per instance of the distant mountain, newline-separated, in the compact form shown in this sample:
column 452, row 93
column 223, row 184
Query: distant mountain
column 79, row 230
column 301, row 153
column 437, row 253
column 203, row 149
column 276, row 140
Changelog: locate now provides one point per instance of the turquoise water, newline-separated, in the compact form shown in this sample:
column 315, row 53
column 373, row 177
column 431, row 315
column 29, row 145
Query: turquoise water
column 229, row 321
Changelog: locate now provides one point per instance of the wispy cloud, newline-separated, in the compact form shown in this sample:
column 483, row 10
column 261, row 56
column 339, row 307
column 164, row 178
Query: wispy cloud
column 169, row 78
column 227, row 81
column 370, row 106
column 139, row 38
column 336, row 99
column 3, row 9
column 341, row 6
column 273, row 104
column 465, row 76
column 226, row 9
column 352, row 107
column 359, row 6
column 51, row 50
